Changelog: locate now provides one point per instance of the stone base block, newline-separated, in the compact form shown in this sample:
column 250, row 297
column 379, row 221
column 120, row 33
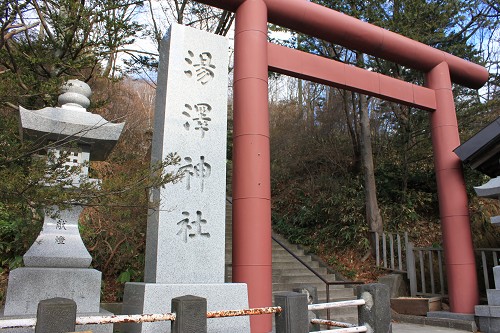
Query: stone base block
column 450, row 315
column 496, row 274
column 489, row 324
column 29, row 285
column 488, row 311
column 156, row 298
column 493, row 296
column 495, row 220
column 108, row 328
column 488, row 317
column 396, row 284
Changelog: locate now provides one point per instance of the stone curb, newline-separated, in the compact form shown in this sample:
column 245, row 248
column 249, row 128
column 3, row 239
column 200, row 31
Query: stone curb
column 463, row 325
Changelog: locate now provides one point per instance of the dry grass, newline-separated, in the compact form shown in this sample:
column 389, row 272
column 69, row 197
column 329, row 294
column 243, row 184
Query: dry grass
column 4, row 277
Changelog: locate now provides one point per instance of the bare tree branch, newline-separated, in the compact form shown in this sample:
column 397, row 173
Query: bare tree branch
column 17, row 29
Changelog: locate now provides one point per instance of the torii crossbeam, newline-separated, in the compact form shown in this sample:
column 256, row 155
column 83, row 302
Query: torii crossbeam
column 254, row 56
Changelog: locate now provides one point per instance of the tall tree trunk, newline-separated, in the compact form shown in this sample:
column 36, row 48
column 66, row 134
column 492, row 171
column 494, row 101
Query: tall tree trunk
column 373, row 217
column 301, row 116
column 372, row 211
column 406, row 152
column 353, row 130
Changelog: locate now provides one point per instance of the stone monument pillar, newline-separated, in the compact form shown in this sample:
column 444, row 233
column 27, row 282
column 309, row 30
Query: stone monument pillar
column 57, row 264
column 186, row 225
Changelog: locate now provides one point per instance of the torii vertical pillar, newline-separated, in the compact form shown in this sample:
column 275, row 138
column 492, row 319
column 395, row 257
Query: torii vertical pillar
column 453, row 204
column 252, row 258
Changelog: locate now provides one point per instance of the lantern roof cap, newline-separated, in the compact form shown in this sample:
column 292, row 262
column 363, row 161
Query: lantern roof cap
column 72, row 123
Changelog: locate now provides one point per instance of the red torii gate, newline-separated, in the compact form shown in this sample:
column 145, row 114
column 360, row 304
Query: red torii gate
column 254, row 56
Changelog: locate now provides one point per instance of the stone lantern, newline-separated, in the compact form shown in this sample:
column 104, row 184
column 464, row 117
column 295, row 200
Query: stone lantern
column 57, row 264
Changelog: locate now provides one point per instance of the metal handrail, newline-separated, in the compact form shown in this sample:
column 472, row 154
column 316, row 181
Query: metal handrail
column 325, row 281
column 302, row 261
column 312, row 269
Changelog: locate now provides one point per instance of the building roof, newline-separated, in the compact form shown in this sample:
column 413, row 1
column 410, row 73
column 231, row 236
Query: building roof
column 482, row 151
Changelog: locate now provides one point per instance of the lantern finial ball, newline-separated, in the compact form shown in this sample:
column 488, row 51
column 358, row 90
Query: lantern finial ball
column 75, row 93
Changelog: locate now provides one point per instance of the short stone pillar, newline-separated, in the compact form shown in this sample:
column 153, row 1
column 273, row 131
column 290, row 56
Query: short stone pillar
column 57, row 264
column 376, row 313
column 56, row 315
column 312, row 298
column 294, row 317
column 190, row 314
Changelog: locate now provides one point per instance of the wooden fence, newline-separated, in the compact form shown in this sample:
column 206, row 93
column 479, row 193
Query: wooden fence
column 425, row 266
column 391, row 251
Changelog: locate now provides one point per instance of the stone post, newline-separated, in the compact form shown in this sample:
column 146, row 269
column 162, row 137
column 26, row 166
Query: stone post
column 376, row 313
column 312, row 298
column 56, row 315
column 190, row 314
column 294, row 317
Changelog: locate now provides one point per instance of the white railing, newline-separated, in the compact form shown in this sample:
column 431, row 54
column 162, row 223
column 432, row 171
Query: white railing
column 289, row 311
column 345, row 327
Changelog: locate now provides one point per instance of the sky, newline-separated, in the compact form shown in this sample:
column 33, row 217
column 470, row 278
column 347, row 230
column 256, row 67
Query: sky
column 145, row 44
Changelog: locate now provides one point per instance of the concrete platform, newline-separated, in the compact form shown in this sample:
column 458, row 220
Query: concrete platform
column 414, row 328
column 435, row 322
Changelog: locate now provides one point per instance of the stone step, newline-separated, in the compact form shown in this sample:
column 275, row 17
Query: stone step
column 275, row 252
column 299, row 270
column 288, row 284
column 322, row 297
column 294, row 264
column 302, row 279
column 338, row 291
column 276, row 249
column 289, row 273
column 279, row 258
column 275, row 246
column 292, row 247
column 290, row 266
column 284, row 253
column 295, row 273
column 344, row 294
column 335, row 293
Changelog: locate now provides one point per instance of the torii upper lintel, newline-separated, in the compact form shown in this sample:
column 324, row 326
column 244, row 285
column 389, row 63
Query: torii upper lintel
column 330, row 25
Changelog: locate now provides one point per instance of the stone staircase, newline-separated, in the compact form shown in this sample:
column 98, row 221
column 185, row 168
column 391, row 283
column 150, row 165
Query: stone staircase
column 289, row 273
